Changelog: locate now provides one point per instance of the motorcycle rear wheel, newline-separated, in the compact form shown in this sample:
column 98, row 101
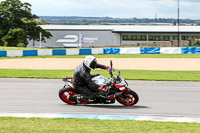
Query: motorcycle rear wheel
column 65, row 93
column 128, row 98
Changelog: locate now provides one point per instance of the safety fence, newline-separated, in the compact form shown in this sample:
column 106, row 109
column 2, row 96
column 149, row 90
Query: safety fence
column 90, row 51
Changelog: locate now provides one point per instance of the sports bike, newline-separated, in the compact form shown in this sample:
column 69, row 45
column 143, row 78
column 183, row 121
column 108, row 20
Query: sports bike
column 116, row 89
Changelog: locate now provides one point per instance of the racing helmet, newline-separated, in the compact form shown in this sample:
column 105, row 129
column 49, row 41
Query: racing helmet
column 90, row 62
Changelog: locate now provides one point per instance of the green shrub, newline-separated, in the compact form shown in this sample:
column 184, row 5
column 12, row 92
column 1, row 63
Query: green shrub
column 21, row 45
column 196, row 42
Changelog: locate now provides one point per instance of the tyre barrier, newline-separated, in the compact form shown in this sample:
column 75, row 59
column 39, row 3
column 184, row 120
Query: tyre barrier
column 90, row 51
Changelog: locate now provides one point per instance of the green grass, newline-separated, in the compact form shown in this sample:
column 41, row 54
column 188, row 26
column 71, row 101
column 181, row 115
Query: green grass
column 117, row 56
column 127, row 74
column 44, row 125
column 48, row 74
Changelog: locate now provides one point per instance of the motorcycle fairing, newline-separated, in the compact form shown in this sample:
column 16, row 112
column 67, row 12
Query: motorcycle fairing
column 100, row 80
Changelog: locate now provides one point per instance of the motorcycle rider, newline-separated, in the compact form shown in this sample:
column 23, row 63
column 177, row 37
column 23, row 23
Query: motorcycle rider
column 82, row 79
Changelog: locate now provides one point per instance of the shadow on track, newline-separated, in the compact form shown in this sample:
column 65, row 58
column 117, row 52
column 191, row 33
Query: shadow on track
column 112, row 106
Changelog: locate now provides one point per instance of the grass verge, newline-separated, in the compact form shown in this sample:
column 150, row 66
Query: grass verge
column 26, row 125
column 117, row 56
column 127, row 74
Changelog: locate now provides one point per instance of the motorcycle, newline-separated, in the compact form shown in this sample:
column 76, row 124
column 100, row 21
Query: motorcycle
column 117, row 89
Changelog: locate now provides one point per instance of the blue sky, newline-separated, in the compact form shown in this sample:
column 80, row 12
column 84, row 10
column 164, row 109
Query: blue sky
column 116, row 8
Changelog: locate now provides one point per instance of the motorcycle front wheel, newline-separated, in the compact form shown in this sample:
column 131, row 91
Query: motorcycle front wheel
column 66, row 93
column 128, row 98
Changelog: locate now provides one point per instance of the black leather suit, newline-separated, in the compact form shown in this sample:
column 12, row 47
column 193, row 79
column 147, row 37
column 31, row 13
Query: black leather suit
column 82, row 80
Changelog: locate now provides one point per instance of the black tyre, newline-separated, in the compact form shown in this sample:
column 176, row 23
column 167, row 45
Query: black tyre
column 65, row 95
column 128, row 98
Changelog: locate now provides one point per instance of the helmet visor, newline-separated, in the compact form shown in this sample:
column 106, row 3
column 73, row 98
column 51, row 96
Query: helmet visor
column 93, row 64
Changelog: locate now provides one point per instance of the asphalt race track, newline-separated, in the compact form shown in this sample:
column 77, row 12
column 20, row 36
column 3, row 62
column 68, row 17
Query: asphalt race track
column 157, row 98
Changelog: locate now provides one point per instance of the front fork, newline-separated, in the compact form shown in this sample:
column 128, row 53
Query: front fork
column 122, row 94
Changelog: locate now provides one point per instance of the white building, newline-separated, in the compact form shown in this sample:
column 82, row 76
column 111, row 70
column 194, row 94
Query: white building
column 111, row 35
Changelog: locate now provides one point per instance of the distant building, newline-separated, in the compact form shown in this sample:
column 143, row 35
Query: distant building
column 111, row 35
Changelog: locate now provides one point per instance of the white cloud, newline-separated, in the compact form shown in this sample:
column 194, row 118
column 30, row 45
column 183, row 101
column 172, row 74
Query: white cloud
column 116, row 8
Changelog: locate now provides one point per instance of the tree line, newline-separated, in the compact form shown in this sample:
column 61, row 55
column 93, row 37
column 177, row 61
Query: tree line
column 68, row 20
